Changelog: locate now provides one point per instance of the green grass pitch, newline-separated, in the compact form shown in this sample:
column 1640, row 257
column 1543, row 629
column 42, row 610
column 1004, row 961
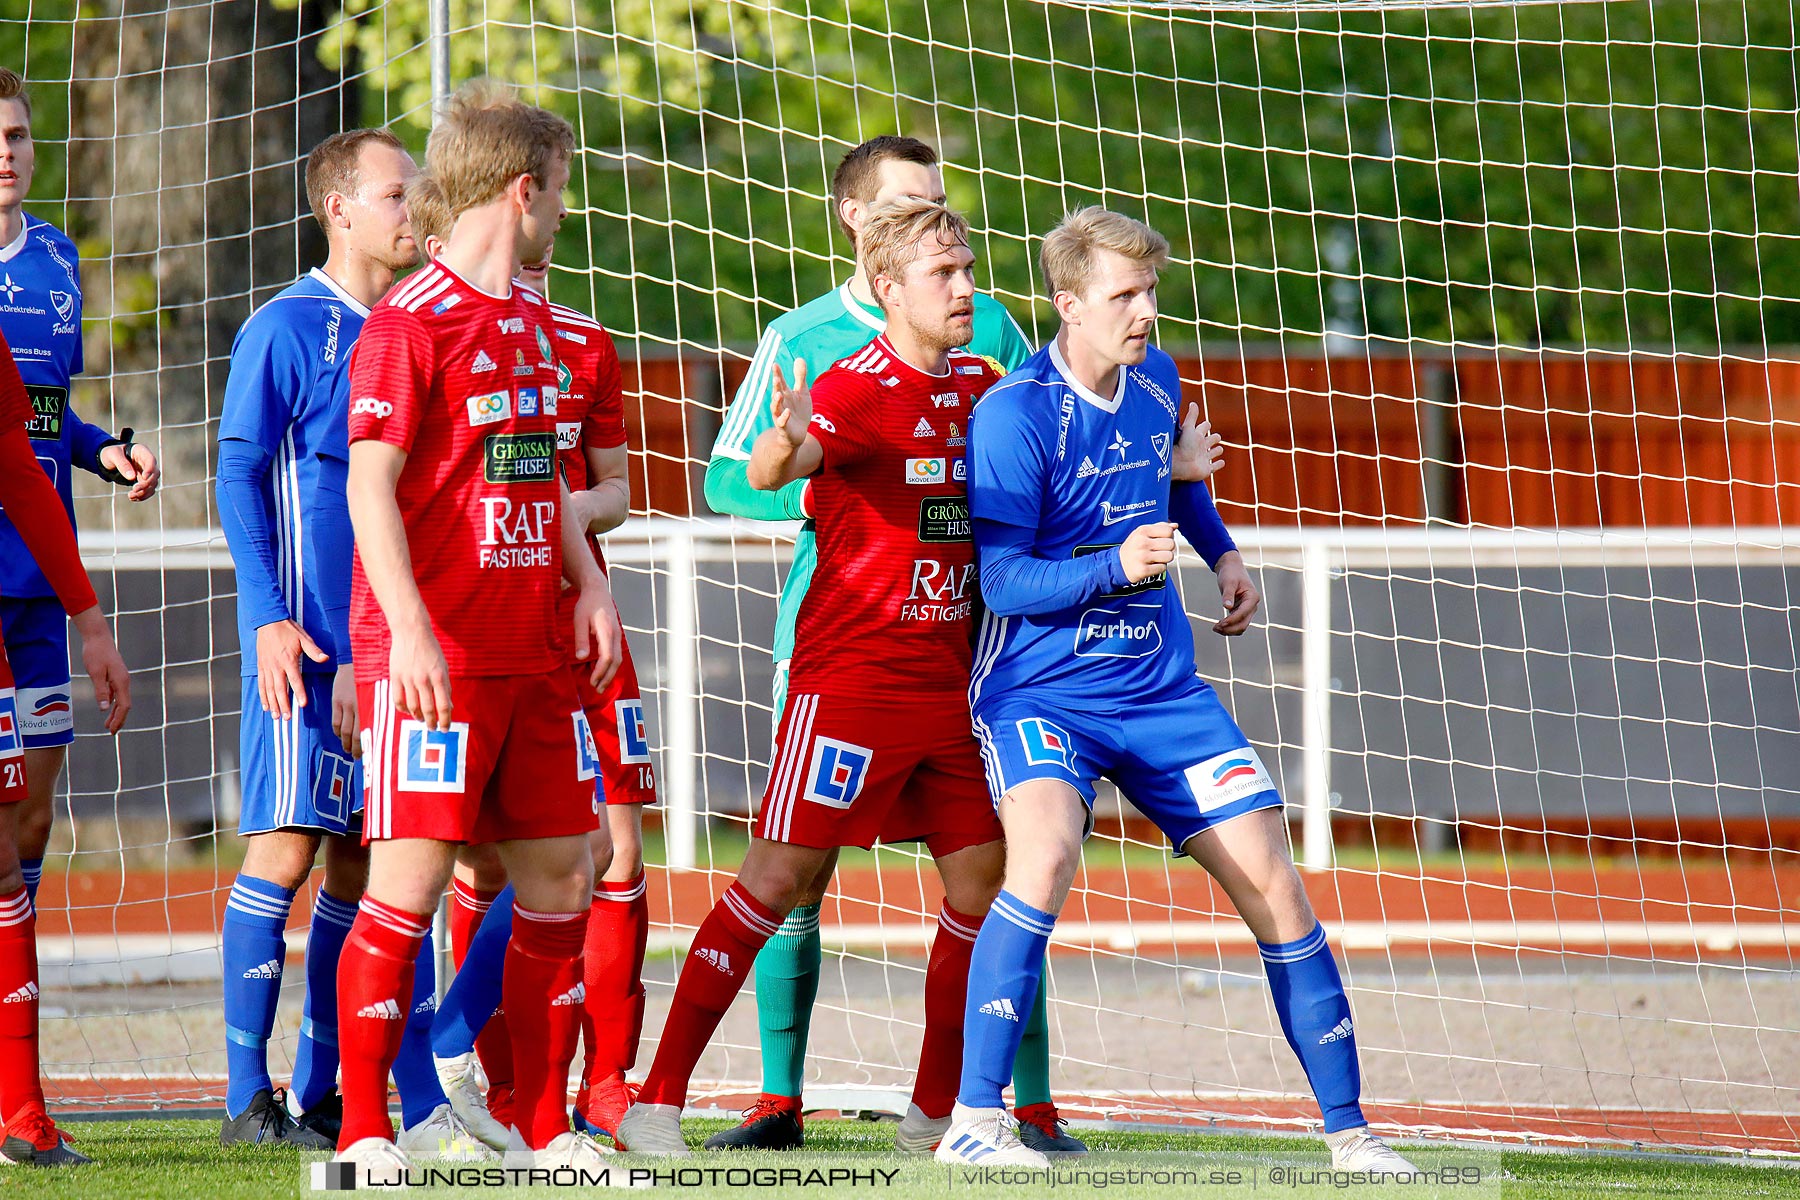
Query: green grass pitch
column 181, row 1160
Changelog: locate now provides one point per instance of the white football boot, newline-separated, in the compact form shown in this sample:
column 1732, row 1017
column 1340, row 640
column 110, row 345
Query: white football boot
column 379, row 1163
column 652, row 1129
column 918, row 1133
column 1360, row 1150
column 986, row 1137
column 465, row 1085
column 446, row 1137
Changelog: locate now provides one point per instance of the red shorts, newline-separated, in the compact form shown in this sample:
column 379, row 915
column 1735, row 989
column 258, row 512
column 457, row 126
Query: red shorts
column 517, row 762
column 616, row 716
column 12, row 741
column 852, row 772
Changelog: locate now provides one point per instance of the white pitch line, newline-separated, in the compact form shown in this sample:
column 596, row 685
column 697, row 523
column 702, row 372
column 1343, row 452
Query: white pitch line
column 132, row 958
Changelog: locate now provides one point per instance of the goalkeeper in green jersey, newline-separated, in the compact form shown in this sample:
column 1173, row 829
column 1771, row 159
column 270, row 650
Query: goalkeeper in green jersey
column 830, row 328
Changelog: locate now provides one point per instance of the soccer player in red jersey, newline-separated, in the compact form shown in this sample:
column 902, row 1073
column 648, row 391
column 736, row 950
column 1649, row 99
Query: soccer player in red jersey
column 474, row 732
column 28, row 497
column 594, row 460
column 881, row 435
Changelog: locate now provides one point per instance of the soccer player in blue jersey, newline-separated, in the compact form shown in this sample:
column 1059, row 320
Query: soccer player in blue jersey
column 40, row 315
column 283, row 464
column 1084, row 667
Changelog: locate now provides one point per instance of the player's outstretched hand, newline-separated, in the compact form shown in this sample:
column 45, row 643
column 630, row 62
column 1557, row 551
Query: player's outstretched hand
column 105, row 667
column 1148, row 551
column 1241, row 597
column 279, row 683
column 791, row 406
column 343, row 710
column 420, row 678
column 140, row 468
column 1198, row 450
column 597, row 633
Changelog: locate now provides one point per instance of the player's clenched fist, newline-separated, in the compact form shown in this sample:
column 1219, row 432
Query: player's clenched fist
column 1148, row 551
column 792, row 406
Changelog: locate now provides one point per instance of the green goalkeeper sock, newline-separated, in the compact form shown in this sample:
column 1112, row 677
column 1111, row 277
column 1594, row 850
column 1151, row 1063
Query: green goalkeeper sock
column 1031, row 1069
column 787, row 983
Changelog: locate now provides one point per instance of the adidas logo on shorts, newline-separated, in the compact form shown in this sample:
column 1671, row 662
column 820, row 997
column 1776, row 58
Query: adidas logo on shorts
column 575, row 995
column 381, row 1010
column 1339, row 1032
column 717, row 958
column 428, row 1004
column 1001, row 1008
column 269, row 970
column 24, row 995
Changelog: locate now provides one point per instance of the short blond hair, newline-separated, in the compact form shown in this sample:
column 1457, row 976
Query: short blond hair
column 426, row 210
column 485, row 138
column 895, row 233
column 12, row 87
column 1068, row 253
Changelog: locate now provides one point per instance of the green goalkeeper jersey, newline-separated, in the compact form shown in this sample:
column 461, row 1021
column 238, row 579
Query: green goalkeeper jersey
column 828, row 329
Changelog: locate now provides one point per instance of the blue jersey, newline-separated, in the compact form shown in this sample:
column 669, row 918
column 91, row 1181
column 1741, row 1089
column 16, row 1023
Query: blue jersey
column 40, row 314
column 1082, row 471
column 284, row 460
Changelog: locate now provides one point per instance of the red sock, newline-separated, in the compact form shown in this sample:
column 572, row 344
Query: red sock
column 493, row 1045
column 613, row 970
column 946, row 993
column 19, row 1083
column 375, row 979
column 468, row 904
column 543, row 988
column 717, row 964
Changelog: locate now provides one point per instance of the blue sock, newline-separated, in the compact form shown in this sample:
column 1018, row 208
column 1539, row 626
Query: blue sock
column 414, row 1072
column 254, row 952
column 34, row 875
column 475, row 992
column 1315, row 1016
column 1004, row 971
column 316, row 1058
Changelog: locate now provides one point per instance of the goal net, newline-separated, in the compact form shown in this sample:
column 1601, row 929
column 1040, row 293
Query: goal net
column 1488, row 303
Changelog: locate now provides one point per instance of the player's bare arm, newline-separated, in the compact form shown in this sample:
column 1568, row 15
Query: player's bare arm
column 279, row 683
column 596, row 618
column 1240, row 594
column 105, row 667
column 1198, row 450
column 136, row 464
column 417, row 672
column 786, row 452
column 603, row 505
column 343, row 710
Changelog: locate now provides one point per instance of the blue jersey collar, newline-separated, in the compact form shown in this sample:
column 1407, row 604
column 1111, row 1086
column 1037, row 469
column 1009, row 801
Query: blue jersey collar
column 1092, row 397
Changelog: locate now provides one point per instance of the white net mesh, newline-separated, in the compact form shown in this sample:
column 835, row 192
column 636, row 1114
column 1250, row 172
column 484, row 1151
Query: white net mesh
column 1488, row 304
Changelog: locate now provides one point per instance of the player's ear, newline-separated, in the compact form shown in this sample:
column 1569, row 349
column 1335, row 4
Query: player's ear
column 850, row 213
column 1068, row 307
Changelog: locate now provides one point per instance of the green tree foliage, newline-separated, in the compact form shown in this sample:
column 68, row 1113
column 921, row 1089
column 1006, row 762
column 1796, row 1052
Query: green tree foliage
column 1583, row 174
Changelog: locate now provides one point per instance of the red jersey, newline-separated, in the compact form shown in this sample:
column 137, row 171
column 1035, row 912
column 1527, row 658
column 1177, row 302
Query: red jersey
column 591, row 412
column 30, row 500
column 891, row 597
column 466, row 384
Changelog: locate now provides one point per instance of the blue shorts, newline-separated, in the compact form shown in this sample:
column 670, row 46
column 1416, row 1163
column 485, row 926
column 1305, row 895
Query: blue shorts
column 1178, row 757
column 37, row 645
column 295, row 773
